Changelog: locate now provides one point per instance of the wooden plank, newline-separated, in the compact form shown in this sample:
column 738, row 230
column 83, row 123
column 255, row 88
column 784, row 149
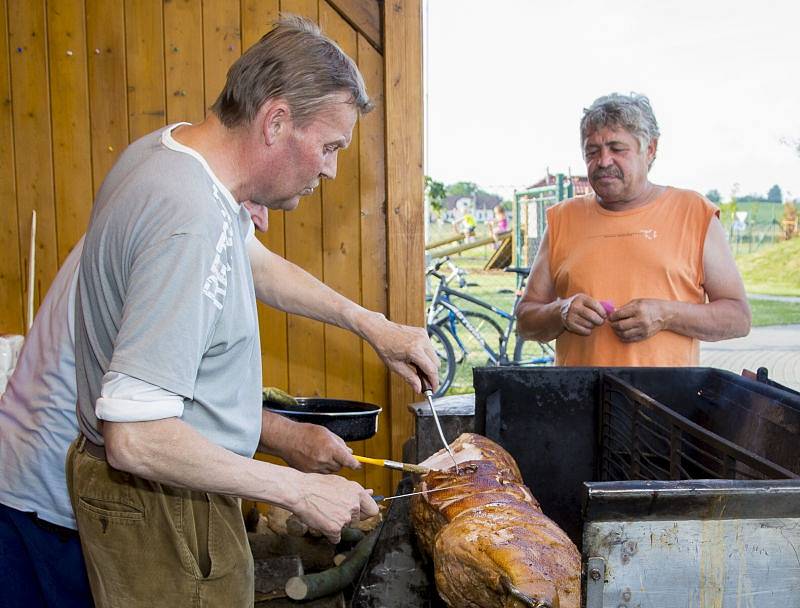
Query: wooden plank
column 341, row 242
column 108, row 99
column 502, row 255
column 72, row 147
column 11, row 305
column 372, row 188
column 364, row 16
column 183, row 59
column 404, row 187
column 31, row 117
column 144, row 54
column 222, row 43
column 445, row 241
column 257, row 19
column 487, row 240
column 303, row 230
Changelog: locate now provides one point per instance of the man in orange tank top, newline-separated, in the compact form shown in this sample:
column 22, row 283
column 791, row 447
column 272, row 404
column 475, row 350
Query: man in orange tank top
column 635, row 274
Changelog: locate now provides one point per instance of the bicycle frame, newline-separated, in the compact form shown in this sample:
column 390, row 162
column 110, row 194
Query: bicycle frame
column 441, row 299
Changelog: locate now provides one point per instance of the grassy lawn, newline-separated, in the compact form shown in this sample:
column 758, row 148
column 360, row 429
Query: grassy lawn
column 773, row 270
column 766, row 312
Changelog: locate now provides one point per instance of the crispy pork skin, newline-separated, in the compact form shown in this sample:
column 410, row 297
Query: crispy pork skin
column 490, row 542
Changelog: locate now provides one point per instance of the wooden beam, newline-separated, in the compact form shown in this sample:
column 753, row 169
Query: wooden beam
column 144, row 60
column 372, row 150
column 108, row 99
column 404, row 187
column 488, row 240
column 30, row 110
column 447, row 241
column 11, row 286
column 303, row 227
column 364, row 16
column 72, row 145
column 341, row 247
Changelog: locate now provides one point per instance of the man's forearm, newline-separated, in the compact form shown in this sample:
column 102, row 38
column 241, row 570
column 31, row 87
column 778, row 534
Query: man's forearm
column 171, row 452
column 718, row 320
column 274, row 429
column 537, row 321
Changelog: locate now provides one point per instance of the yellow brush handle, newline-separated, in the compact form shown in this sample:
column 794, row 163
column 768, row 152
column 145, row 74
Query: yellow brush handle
column 376, row 461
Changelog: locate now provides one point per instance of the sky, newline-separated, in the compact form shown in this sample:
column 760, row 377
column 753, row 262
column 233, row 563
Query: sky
column 506, row 83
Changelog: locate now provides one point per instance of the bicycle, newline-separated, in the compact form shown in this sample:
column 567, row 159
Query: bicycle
column 473, row 332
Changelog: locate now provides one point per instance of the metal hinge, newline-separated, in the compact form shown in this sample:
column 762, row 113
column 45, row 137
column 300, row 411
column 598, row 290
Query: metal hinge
column 595, row 580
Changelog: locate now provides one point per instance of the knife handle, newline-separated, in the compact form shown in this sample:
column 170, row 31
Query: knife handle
column 426, row 386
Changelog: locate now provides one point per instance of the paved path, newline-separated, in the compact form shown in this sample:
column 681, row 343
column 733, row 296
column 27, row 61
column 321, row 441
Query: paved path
column 761, row 296
column 775, row 347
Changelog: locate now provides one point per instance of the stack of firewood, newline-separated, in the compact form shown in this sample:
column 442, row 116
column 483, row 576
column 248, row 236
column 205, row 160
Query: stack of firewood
column 294, row 561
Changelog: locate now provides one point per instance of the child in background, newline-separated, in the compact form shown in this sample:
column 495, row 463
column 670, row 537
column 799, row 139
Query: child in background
column 499, row 224
column 466, row 225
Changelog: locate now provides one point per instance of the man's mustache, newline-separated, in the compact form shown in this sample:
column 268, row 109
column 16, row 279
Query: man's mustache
column 600, row 173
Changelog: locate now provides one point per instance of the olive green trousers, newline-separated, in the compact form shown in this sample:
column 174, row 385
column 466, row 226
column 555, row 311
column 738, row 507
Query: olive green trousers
column 149, row 545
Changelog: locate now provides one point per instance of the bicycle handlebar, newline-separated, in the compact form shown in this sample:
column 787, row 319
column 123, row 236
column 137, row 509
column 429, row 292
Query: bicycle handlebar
column 518, row 269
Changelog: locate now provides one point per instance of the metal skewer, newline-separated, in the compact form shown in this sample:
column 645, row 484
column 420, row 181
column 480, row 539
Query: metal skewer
column 426, row 388
column 382, row 498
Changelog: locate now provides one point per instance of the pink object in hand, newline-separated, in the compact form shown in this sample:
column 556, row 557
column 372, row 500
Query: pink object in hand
column 608, row 306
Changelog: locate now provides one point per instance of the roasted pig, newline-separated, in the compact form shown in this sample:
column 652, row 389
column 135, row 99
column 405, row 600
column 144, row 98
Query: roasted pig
column 492, row 547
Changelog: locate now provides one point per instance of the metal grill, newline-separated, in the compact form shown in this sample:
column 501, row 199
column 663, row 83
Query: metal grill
column 644, row 439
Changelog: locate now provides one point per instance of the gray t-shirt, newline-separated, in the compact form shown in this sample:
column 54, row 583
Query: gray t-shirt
column 165, row 293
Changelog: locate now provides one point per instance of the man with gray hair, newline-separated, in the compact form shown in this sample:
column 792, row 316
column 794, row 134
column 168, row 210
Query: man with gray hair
column 167, row 352
column 636, row 273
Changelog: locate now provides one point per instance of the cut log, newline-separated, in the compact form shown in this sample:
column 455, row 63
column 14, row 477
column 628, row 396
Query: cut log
column 277, row 519
column 295, row 527
column 271, row 574
column 351, row 535
column 313, row 586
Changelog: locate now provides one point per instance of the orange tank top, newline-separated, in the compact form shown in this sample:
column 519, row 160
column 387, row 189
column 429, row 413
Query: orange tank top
column 654, row 251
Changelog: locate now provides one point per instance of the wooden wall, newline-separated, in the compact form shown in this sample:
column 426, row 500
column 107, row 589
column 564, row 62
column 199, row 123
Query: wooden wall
column 79, row 80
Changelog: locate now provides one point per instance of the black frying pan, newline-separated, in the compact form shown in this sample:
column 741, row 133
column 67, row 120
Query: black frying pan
column 351, row 420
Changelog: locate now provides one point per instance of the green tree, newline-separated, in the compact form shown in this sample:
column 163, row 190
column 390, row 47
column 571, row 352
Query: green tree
column 435, row 193
column 775, row 195
column 714, row 196
column 462, row 189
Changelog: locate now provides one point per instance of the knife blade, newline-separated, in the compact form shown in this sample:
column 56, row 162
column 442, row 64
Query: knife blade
column 426, row 388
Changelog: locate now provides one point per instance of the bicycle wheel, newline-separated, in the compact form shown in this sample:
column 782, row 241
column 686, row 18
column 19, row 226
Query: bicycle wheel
column 447, row 360
column 466, row 347
column 531, row 352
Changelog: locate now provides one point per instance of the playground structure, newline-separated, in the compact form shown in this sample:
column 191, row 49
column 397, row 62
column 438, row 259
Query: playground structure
column 530, row 208
column 520, row 244
column 499, row 259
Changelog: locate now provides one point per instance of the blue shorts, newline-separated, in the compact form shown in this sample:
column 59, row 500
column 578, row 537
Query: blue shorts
column 41, row 564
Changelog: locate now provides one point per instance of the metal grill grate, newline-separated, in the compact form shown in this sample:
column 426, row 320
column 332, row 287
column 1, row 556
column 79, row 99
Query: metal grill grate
column 643, row 439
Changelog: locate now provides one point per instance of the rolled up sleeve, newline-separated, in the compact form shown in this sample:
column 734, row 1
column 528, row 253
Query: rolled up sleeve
column 127, row 399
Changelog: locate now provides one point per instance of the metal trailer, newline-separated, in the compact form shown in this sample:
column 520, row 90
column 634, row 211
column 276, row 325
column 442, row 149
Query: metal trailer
column 678, row 485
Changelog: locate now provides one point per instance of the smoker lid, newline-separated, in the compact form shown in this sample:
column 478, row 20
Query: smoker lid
column 691, row 499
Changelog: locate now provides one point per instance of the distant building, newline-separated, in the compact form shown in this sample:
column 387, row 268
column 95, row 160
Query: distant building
column 580, row 184
column 481, row 206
